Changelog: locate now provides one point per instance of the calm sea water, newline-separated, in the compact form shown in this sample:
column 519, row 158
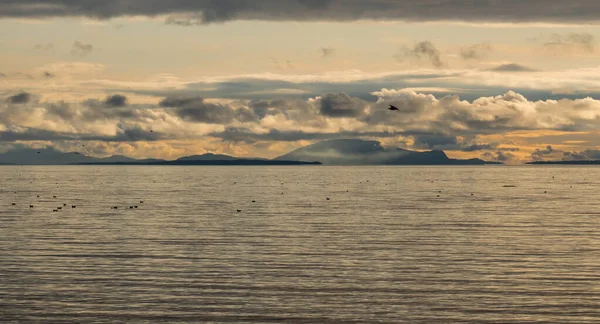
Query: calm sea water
column 384, row 249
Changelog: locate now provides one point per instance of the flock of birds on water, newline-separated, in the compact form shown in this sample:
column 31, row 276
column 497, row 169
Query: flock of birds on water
column 65, row 206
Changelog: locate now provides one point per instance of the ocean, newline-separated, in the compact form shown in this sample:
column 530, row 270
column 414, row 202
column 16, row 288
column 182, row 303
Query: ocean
column 308, row 244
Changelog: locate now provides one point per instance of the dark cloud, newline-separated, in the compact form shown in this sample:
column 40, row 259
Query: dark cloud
column 340, row 105
column 21, row 98
column 283, row 66
column 551, row 154
column 44, row 47
column 93, row 110
column 588, row 154
column 431, row 141
column 573, row 42
column 511, row 67
column 479, row 147
column 208, row 11
column 63, row 110
column 327, row 51
column 124, row 134
column 426, row 141
column 540, row 154
column 424, row 49
column 197, row 110
column 81, row 49
column 236, row 134
column 116, row 101
column 134, row 133
column 475, row 52
column 499, row 156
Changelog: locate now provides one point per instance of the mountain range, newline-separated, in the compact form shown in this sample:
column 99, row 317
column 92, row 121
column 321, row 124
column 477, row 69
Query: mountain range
column 333, row 152
column 360, row 152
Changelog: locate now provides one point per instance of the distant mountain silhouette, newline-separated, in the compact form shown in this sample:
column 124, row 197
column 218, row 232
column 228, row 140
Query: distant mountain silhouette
column 117, row 158
column 334, row 152
column 51, row 156
column 207, row 157
column 204, row 159
column 47, row 156
column 360, row 152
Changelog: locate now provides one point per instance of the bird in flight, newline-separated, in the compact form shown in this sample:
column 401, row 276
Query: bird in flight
column 392, row 107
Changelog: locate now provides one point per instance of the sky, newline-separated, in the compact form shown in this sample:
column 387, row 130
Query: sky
column 502, row 80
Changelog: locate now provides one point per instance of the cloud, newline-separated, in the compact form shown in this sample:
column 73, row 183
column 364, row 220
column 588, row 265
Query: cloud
column 34, row 134
column 116, row 101
column 327, row 51
column 210, row 11
column 509, row 149
column 423, row 49
column 44, row 47
column 339, row 105
column 283, row 66
column 475, row 52
column 424, row 121
column 542, row 154
column 469, row 84
column 511, row 67
column 478, row 147
column 499, row 156
column 589, row 154
column 235, row 134
column 570, row 43
column 196, row 109
column 81, row 49
column 21, row 98
column 433, row 141
column 485, row 115
column 551, row 154
column 73, row 68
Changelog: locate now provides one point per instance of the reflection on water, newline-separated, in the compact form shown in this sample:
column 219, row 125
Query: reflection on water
column 384, row 249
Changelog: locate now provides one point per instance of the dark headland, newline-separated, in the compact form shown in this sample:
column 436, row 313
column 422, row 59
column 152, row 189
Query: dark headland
column 576, row 162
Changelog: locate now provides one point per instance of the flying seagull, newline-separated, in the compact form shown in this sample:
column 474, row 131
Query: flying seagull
column 392, row 107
